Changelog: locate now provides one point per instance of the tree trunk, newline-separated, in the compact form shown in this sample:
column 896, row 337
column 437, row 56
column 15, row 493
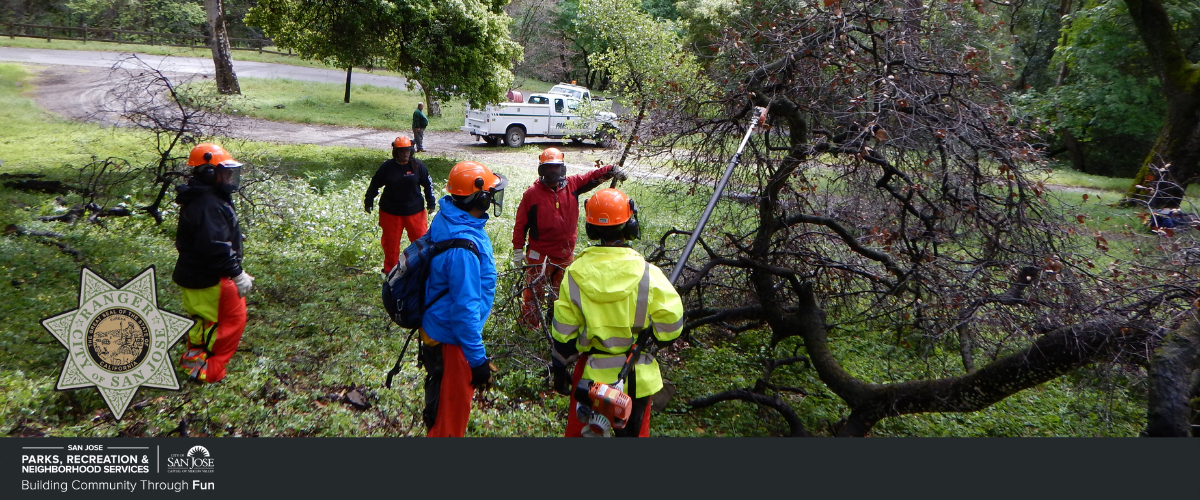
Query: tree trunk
column 347, row 98
column 1173, row 162
column 1172, row 367
column 1074, row 150
column 226, row 79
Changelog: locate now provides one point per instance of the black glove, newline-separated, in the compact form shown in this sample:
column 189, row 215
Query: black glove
column 367, row 205
column 560, row 378
column 481, row 376
column 430, row 207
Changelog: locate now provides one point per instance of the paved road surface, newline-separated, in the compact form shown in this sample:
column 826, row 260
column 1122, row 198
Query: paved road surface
column 195, row 65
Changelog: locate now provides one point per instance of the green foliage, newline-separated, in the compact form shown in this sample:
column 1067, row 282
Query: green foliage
column 459, row 47
column 1111, row 99
column 169, row 16
column 643, row 57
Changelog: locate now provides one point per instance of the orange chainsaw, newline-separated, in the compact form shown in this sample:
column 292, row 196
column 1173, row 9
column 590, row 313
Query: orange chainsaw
column 603, row 407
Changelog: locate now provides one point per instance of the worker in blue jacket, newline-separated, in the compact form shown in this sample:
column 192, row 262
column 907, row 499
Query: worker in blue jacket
column 452, row 349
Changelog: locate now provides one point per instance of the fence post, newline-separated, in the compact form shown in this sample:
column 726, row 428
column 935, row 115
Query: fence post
column 85, row 33
column 12, row 35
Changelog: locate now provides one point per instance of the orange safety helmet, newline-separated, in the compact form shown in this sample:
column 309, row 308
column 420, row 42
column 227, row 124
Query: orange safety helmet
column 470, row 181
column 608, row 207
column 207, row 153
column 402, row 142
column 552, row 155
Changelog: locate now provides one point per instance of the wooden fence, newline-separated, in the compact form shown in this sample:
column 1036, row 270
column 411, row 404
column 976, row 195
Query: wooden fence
column 86, row 34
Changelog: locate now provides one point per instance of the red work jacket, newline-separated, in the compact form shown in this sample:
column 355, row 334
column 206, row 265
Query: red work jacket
column 550, row 217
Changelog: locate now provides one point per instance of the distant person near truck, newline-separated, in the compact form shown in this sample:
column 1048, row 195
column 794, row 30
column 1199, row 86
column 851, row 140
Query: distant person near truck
column 419, row 122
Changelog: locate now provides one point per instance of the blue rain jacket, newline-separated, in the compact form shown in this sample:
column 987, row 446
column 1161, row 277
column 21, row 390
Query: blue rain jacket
column 457, row 318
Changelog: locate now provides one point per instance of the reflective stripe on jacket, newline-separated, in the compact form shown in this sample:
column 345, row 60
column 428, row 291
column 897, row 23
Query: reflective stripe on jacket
column 608, row 296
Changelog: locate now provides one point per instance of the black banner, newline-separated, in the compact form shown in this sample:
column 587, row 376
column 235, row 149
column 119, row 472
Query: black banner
column 599, row 468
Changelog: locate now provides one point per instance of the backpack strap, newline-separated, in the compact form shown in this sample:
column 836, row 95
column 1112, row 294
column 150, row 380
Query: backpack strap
column 396, row 369
column 444, row 245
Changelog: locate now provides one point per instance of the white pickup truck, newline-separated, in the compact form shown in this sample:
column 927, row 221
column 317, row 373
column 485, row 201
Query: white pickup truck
column 554, row 114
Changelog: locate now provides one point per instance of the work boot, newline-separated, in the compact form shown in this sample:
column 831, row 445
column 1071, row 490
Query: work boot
column 199, row 373
column 193, row 358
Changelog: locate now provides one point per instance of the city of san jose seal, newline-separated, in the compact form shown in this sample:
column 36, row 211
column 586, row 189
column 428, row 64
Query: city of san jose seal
column 118, row 339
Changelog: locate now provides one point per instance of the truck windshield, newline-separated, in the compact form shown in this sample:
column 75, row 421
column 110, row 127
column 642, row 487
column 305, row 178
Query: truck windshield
column 559, row 89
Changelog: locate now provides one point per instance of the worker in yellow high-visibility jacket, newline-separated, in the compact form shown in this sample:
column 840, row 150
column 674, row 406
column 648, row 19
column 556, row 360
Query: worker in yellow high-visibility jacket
column 610, row 293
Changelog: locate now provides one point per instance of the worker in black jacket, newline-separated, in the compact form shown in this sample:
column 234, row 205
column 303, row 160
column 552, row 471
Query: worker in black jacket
column 209, row 268
column 403, row 178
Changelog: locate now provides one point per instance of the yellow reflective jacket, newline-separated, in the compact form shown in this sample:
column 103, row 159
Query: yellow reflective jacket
column 609, row 294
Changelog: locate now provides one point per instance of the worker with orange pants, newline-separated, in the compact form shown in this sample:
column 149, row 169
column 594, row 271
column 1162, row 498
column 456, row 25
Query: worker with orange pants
column 609, row 295
column 209, row 268
column 403, row 179
column 460, row 292
column 549, row 216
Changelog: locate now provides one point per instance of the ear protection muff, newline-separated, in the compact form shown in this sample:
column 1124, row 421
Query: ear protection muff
column 632, row 229
column 206, row 173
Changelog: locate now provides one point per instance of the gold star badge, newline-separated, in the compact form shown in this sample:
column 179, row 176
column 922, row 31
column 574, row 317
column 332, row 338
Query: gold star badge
column 117, row 339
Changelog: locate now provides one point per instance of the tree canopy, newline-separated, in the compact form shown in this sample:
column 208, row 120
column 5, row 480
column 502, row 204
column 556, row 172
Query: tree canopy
column 447, row 47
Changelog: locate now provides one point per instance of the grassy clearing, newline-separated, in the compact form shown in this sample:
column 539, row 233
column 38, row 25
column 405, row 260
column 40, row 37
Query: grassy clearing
column 164, row 50
column 316, row 329
column 321, row 103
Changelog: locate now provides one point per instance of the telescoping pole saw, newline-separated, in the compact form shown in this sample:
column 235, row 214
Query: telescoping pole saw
column 607, row 406
column 760, row 117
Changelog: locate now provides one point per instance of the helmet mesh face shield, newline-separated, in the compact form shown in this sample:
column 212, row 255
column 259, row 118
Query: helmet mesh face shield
column 552, row 174
column 474, row 186
column 496, row 194
column 230, row 173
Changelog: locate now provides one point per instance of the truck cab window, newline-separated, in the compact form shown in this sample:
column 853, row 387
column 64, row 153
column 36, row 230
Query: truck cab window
column 538, row 100
column 558, row 106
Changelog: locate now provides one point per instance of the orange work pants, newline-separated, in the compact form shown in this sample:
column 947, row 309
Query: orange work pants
column 541, row 278
column 416, row 224
column 448, row 390
column 222, row 334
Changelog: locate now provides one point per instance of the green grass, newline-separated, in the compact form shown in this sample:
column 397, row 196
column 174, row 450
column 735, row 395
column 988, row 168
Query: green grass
column 322, row 103
column 1068, row 177
column 165, row 50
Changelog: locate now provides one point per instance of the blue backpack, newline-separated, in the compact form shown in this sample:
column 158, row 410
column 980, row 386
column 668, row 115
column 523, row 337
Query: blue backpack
column 404, row 287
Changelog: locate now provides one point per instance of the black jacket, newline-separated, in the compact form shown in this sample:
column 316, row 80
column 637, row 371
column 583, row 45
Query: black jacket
column 208, row 239
column 403, row 185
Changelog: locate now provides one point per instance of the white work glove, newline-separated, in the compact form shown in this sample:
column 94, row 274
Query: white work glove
column 618, row 174
column 244, row 283
column 518, row 258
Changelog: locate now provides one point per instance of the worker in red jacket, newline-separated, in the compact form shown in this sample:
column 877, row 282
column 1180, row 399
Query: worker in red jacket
column 549, row 216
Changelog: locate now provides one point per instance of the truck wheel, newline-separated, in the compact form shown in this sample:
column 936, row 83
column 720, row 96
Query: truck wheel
column 515, row 137
column 491, row 140
column 605, row 137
